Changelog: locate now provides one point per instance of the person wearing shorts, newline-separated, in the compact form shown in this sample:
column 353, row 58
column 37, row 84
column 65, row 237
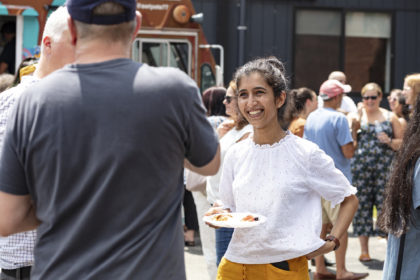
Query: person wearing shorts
column 330, row 130
column 329, row 215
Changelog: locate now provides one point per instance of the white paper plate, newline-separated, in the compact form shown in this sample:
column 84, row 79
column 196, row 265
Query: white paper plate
column 234, row 220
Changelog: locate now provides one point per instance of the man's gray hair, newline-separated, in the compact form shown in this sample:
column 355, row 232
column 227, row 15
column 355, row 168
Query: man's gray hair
column 56, row 24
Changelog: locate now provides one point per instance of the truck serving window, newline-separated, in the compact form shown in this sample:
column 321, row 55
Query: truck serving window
column 160, row 52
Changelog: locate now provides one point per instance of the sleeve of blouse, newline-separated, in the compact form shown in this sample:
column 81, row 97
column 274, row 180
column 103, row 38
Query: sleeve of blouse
column 326, row 179
column 226, row 182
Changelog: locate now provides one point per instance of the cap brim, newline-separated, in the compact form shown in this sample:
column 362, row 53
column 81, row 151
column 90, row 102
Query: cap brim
column 346, row 88
column 324, row 96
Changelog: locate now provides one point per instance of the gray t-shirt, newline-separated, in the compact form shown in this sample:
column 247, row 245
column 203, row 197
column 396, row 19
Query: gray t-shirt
column 100, row 148
column 411, row 258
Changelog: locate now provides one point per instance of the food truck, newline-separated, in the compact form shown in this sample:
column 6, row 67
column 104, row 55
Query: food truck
column 171, row 35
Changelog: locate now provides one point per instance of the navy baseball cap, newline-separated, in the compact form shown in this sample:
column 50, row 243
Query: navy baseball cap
column 81, row 10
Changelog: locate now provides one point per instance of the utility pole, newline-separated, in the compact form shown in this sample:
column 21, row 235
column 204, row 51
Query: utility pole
column 241, row 32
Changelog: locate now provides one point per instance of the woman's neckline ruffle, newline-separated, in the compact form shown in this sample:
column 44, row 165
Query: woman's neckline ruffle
column 269, row 146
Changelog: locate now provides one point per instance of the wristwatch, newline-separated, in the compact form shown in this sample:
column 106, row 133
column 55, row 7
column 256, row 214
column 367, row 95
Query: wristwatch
column 333, row 239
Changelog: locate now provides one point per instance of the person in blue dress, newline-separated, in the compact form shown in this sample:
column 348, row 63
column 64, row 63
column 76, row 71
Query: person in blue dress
column 400, row 215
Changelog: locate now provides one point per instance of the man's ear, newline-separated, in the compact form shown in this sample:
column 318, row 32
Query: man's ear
column 46, row 42
column 72, row 30
column 138, row 25
column 281, row 99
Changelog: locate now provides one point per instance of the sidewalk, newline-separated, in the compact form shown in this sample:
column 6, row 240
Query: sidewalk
column 196, row 267
column 195, row 264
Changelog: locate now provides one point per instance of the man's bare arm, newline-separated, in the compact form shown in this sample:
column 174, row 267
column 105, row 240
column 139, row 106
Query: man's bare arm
column 17, row 214
column 209, row 169
column 348, row 150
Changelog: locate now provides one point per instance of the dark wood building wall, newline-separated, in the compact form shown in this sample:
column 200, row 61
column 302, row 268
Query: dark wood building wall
column 270, row 29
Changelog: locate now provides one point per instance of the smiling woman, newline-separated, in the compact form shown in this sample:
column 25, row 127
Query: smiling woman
column 270, row 174
column 258, row 104
column 265, row 80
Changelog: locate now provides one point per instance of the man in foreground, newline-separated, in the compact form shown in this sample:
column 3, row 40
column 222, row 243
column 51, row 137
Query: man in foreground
column 100, row 151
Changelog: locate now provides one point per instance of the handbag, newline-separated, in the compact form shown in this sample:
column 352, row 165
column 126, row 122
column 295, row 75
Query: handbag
column 194, row 181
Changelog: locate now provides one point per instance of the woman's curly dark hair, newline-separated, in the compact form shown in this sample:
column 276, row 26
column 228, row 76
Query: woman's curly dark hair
column 397, row 209
column 274, row 74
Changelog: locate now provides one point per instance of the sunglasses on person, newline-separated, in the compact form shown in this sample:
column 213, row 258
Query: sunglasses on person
column 229, row 99
column 374, row 97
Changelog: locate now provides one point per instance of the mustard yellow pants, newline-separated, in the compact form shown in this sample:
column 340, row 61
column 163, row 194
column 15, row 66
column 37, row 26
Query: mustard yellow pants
column 298, row 270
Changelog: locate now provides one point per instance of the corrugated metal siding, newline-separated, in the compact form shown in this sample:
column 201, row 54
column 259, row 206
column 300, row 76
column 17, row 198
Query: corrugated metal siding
column 271, row 22
column 229, row 38
column 407, row 45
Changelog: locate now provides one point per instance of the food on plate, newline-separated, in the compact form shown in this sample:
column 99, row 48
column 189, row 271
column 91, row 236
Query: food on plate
column 235, row 220
column 249, row 218
column 222, row 217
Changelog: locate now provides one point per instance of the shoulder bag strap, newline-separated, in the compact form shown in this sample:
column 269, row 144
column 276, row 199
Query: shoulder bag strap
column 400, row 257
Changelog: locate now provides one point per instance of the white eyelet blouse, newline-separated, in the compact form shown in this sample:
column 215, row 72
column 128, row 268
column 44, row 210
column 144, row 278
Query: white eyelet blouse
column 284, row 182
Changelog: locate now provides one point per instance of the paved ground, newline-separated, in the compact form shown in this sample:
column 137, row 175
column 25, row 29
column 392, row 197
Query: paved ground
column 196, row 268
column 195, row 264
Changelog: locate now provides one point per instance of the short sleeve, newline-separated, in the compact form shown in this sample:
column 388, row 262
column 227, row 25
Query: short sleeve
column 416, row 187
column 226, row 181
column 12, row 173
column 326, row 179
column 343, row 131
column 202, row 141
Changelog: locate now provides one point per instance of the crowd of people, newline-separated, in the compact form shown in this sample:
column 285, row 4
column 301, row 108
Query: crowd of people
column 99, row 153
